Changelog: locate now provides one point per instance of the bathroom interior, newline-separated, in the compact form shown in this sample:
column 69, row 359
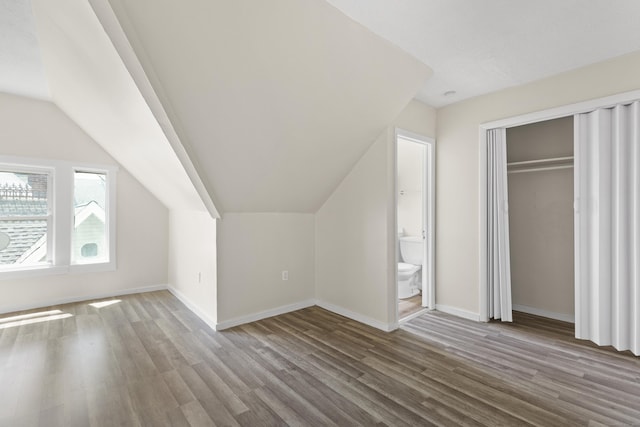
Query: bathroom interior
column 411, row 209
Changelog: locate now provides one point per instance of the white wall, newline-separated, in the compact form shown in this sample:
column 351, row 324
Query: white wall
column 355, row 230
column 253, row 250
column 192, row 261
column 33, row 128
column 457, row 206
column 410, row 187
column 351, row 238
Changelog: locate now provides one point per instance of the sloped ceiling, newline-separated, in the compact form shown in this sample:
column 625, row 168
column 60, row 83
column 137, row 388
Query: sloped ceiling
column 89, row 82
column 21, row 69
column 274, row 101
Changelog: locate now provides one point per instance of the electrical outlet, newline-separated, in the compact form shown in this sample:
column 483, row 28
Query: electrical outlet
column 285, row 275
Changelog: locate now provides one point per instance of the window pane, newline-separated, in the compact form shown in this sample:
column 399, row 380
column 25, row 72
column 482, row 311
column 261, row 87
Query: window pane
column 89, row 230
column 23, row 242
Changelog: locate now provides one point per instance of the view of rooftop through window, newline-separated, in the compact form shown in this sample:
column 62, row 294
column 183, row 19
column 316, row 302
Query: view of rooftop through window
column 24, row 211
column 89, row 232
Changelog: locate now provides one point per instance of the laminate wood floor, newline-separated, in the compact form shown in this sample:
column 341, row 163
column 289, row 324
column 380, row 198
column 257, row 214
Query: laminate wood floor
column 148, row 361
column 409, row 306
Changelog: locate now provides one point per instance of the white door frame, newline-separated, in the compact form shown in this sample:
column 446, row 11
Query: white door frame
column 525, row 119
column 428, row 220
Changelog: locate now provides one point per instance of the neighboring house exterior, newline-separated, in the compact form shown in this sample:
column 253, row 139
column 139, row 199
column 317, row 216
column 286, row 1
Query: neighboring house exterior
column 89, row 235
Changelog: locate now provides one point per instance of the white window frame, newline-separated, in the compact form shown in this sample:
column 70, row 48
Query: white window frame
column 60, row 225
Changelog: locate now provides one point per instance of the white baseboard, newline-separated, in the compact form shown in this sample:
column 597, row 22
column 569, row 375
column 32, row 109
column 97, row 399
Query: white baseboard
column 193, row 307
column 387, row 327
column 544, row 313
column 458, row 312
column 89, row 297
column 304, row 304
column 241, row 320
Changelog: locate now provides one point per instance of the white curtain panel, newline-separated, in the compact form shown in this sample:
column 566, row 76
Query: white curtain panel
column 607, row 226
column 498, row 259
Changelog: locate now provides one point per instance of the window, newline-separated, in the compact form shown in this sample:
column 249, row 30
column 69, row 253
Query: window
column 89, row 240
column 55, row 217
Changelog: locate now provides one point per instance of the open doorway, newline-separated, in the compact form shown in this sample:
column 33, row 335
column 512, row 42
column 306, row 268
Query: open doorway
column 415, row 198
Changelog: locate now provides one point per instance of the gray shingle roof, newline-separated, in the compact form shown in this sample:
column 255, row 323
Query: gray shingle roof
column 17, row 201
column 17, row 207
column 24, row 235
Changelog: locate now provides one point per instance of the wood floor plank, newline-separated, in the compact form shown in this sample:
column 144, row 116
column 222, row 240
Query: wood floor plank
column 409, row 306
column 284, row 411
column 195, row 415
column 76, row 412
column 208, row 400
column 178, row 388
column 146, row 360
column 230, row 400
column 259, row 413
column 176, row 418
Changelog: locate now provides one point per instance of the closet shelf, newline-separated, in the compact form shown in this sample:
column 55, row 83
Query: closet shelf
column 540, row 164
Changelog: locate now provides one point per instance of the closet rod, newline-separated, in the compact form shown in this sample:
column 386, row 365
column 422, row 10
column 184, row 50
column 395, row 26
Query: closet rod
column 547, row 168
column 542, row 161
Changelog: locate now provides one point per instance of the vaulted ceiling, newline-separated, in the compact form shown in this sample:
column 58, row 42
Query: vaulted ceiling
column 275, row 101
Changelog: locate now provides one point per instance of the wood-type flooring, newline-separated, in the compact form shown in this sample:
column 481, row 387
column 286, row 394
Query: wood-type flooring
column 409, row 306
column 146, row 360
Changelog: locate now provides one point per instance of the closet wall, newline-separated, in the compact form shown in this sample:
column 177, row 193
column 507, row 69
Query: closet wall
column 541, row 220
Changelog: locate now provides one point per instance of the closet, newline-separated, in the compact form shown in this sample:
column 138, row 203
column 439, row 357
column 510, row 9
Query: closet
column 541, row 218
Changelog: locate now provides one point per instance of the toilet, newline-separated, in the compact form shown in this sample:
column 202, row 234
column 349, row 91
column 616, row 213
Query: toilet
column 409, row 271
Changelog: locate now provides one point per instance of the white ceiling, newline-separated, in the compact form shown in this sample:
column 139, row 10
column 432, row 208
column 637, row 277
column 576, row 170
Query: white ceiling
column 276, row 100
column 21, row 69
column 476, row 47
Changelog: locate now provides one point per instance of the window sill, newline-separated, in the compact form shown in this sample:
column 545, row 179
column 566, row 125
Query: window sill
column 34, row 271
column 51, row 270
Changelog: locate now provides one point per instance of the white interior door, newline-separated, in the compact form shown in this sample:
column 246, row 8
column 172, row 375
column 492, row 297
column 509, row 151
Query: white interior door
column 428, row 213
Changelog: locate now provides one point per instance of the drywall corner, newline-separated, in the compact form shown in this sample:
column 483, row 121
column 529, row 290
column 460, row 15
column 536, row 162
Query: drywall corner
column 192, row 262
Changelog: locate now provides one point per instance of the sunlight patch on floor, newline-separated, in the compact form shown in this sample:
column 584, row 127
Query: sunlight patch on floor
column 30, row 315
column 35, row 319
column 102, row 304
